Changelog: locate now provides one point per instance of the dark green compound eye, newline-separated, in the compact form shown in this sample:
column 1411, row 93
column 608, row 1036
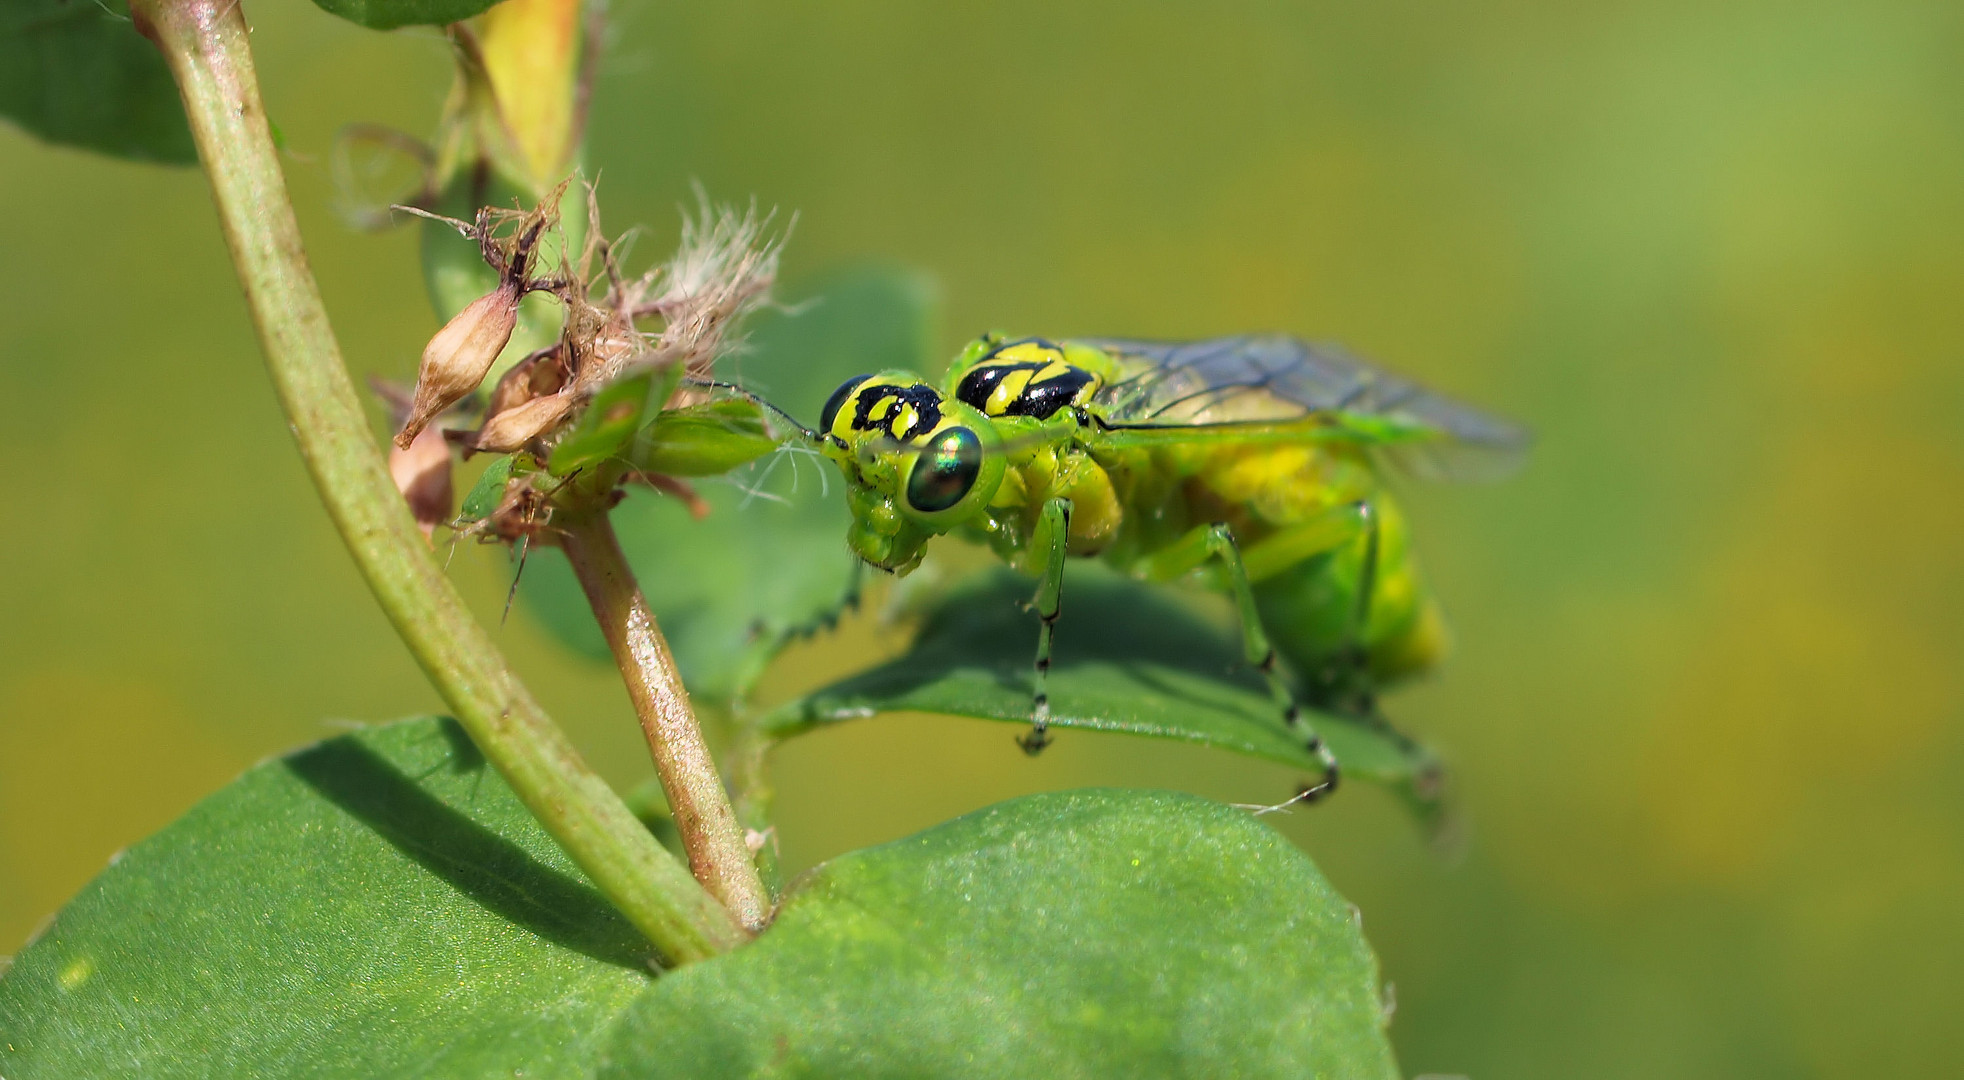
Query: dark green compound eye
column 945, row 471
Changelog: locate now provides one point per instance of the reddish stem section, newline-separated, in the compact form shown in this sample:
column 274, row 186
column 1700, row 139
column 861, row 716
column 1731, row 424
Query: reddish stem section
column 714, row 841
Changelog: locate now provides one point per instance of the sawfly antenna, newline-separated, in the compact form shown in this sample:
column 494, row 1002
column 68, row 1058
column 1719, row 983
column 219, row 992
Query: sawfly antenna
column 717, row 384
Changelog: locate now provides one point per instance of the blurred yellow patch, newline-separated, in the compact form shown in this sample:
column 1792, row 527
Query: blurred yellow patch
column 89, row 766
column 531, row 52
column 1812, row 671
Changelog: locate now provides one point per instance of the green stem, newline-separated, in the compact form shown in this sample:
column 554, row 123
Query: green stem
column 745, row 756
column 703, row 816
column 205, row 44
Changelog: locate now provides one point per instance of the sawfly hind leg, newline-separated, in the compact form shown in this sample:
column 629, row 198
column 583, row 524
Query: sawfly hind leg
column 1261, row 653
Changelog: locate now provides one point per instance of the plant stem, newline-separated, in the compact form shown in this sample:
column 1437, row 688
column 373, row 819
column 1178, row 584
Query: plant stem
column 205, row 44
column 708, row 826
column 745, row 756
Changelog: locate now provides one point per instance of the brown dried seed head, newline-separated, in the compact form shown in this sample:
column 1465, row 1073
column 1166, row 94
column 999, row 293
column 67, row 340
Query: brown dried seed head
column 537, row 375
column 514, row 389
column 422, row 474
column 460, row 354
column 513, row 428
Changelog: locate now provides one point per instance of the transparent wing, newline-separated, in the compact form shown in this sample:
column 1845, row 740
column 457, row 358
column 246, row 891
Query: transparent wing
column 1273, row 378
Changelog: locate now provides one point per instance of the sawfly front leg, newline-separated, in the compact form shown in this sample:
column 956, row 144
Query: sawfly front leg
column 766, row 647
column 1052, row 532
column 828, row 619
column 1217, row 541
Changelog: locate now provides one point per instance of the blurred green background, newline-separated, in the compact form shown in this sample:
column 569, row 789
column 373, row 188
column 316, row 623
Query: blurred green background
column 1703, row 719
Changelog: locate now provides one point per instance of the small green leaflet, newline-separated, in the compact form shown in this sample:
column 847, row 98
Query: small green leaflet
column 607, row 422
column 705, row 440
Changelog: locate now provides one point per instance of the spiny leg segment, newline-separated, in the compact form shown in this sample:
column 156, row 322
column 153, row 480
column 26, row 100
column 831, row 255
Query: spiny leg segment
column 1052, row 532
column 829, row 618
column 767, row 647
column 1344, row 681
column 1217, row 541
column 1259, row 652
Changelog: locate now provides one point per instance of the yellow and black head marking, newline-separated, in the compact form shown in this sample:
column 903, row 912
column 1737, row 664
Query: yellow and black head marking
column 901, row 411
column 1026, row 378
column 916, row 463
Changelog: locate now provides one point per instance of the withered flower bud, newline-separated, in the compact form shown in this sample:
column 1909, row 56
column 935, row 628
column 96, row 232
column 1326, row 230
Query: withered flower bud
column 539, row 374
column 513, row 428
column 422, row 474
column 460, row 354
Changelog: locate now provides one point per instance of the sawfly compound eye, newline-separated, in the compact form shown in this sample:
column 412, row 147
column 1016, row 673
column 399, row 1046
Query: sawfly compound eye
column 945, row 471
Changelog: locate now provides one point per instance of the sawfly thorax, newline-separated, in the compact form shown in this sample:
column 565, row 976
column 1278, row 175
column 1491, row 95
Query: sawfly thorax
column 916, row 464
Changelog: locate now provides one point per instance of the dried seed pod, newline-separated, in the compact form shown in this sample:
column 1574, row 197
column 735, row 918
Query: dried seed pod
column 422, row 474
column 540, row 374
column 460, row 354
column 513, row 428
column 551, row 373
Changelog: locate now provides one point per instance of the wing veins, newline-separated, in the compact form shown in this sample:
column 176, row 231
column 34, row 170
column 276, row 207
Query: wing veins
column 1302, row 381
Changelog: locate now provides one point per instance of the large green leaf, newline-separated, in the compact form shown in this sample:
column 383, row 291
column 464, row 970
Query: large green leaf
column 771, row 554
column 1128, row 657
column 1087, row 933
column 380, row 905
column 77, row 72
column 389, row 14
column 377, row 905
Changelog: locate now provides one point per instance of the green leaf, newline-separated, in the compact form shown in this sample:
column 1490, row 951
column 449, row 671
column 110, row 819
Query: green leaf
column 610, row 420
column 389, row 14
column 376, row 905
column 1127, row 657
column 706, row 440
column 1086, row 933
column 771, row 555
column 380, row 905
column 76, row 72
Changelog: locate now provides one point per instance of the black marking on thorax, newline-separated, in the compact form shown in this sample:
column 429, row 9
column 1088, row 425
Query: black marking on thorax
column 926, row 402
column 1040, row 398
